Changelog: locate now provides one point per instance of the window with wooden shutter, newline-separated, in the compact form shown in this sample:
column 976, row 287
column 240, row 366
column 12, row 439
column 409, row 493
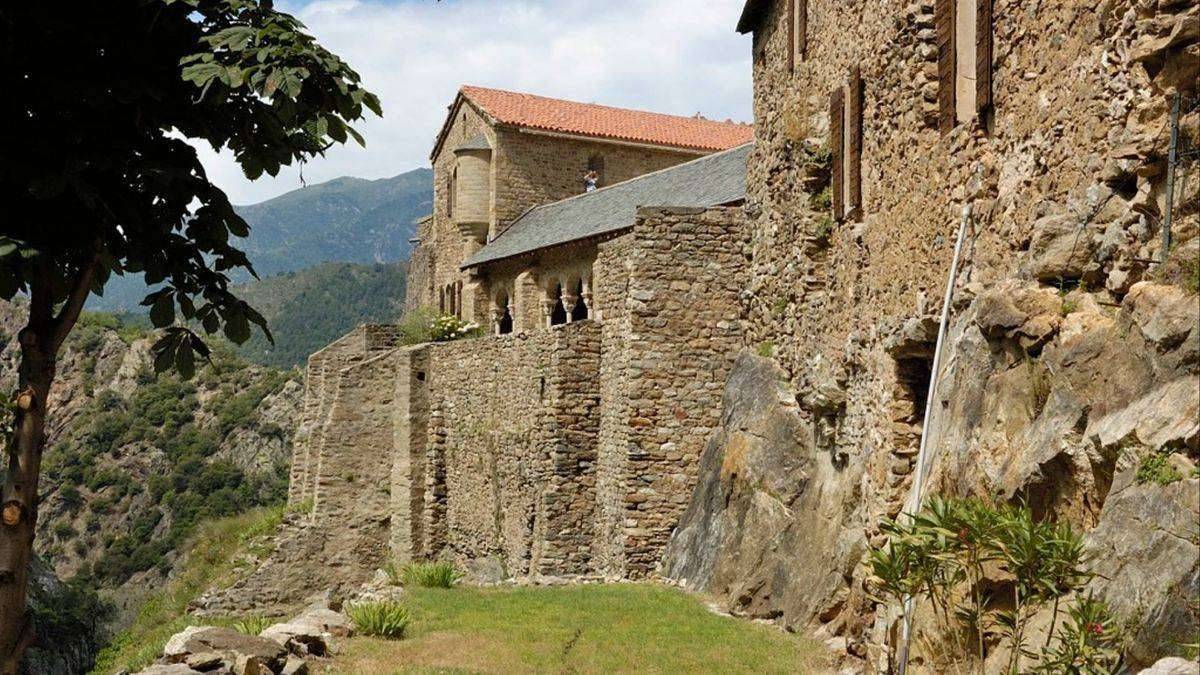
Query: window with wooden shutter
column 983, row 57
column 801, row 34
column 854, row 139
column 943, row 18
column 836, row 141
column 964, row 42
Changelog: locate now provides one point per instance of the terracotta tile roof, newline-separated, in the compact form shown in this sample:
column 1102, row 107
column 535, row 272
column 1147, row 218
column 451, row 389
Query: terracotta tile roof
column 590, row 119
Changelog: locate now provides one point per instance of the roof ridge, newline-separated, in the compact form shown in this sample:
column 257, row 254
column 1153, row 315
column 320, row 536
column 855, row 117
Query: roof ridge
column 466, row 87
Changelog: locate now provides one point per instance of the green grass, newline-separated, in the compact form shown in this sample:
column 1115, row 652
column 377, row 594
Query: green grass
column 387, row 619
column 577, row 629
column 429, row 575
column 208, row 562
column 1156, row 468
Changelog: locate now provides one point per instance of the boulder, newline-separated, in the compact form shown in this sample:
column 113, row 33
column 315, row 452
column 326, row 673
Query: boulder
column 1172, row 665
column 243, row 654
column 311, row 632
column 168, row 669
column 1061, row 248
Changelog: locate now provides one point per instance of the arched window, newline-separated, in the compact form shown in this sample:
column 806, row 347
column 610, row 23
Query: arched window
column 451, row 188
column 559, row 315
column 504, row 325
column 441, row 300
column 580, row 311
column 596, row 163
column 458, row 308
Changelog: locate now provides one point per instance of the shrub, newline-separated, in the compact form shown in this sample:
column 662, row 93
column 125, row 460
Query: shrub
column 940, row 554
column 416, row 327
column 385, row 618
column 430, row 575
column 1156, row 468
column 766, row 349
column 252, row 625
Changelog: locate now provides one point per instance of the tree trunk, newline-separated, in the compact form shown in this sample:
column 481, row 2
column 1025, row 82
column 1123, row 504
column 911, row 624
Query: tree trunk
column 20, row 495
column 40, row 340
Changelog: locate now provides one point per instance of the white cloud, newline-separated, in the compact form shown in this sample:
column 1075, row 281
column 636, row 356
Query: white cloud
column 674, row 56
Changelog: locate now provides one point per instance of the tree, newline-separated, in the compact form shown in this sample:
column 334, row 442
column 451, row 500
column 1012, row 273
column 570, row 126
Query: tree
column 96, row 179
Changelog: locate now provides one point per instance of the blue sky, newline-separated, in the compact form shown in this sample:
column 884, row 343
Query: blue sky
column 675, row 56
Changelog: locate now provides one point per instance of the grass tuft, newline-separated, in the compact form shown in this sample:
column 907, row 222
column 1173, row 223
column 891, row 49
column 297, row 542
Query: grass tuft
column 252, row 625
column 428, row 575
column 386, row 618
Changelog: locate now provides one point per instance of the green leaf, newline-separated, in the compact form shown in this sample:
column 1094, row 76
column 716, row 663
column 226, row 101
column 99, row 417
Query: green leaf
column 162, row 312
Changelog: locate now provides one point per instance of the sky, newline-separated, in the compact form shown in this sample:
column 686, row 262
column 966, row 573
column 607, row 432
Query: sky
column 674, row 56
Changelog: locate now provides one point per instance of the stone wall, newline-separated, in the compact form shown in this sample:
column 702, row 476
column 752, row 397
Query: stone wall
column 509, row 437
column 538, row 168
column 674, row 334
column 1062, row 187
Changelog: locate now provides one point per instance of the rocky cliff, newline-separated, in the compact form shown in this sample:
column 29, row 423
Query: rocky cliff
column 134, row 460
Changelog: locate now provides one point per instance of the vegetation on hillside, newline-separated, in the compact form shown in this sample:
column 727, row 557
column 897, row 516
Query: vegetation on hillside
column 162, row 418
column 309, row 309
column 207, row 560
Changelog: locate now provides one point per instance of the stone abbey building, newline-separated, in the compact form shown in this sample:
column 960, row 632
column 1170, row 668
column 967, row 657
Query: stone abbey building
column 715, row 367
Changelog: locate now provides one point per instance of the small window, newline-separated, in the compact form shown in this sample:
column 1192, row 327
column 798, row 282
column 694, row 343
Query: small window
column 964, row 39
column 797, row 27
column 845, row 142
column 596, row 163
column 451, row 188
column 558, row 316
column 580, row 311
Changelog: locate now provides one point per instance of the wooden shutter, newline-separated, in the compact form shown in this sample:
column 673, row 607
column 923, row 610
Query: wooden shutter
column 983, row 57
column 853, row 161
column 802, row 28
column 791, row 31
column 943, row 18
column 836, row 142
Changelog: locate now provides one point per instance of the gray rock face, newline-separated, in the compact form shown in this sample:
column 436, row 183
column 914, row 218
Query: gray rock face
column 1061, row 248
column 748, row 536
column 1172, row 665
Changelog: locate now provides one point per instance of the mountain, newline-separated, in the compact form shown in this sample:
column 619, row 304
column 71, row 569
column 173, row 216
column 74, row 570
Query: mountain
column 343, row 220
column 311, row 308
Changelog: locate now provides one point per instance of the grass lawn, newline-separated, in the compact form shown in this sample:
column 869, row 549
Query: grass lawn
column 619, row 628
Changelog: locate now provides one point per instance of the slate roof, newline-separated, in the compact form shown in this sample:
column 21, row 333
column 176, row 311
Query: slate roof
column 709, row 181
column 600, row 121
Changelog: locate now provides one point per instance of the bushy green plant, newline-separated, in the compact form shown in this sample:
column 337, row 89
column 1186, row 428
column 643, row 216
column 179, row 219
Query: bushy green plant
column 386, row 618
column 766, row 349
column 1156, row 468
column 252, row 625
column 822, row 201
column 430, row 575
column 416, row 327
column 1088, row 643
column 941, row 552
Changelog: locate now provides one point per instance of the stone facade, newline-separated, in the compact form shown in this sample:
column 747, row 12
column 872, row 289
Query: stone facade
column 1059, row 174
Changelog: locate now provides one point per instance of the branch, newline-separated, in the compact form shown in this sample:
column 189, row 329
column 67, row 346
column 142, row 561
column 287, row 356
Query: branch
column 69, row 314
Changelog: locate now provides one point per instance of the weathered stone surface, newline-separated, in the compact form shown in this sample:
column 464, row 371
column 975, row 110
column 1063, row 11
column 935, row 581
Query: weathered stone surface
column 168, row 669
column 312, row 632
column 1172, row 665
column 757, row 533
column 1147, row 545
column 1061, row 249
column 244, row 654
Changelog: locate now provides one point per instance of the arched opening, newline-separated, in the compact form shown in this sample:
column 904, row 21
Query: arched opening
column 580, row 311
column 596, row 163
column 558, row 316
column 441, row 300
column 504, row 325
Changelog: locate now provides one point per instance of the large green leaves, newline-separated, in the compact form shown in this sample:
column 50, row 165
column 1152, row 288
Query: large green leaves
column 97, row 176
